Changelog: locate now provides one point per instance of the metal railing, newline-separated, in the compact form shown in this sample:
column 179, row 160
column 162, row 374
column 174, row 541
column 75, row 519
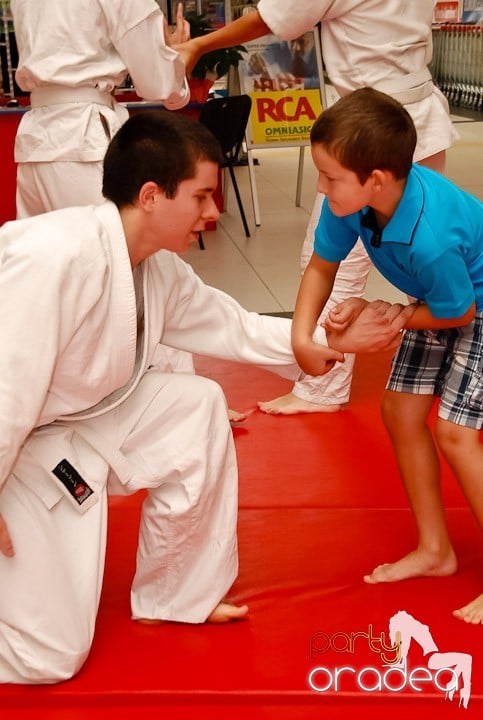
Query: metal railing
column 457, row 65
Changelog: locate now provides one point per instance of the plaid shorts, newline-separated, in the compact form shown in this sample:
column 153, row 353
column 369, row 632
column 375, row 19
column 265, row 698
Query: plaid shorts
column 445, row 363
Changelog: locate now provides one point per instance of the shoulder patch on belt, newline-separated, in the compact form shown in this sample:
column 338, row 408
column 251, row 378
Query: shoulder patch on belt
column 72, row 481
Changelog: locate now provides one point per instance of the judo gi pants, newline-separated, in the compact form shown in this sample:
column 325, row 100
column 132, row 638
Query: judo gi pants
column 171, row 437
column 46, row 186
column 334, row 387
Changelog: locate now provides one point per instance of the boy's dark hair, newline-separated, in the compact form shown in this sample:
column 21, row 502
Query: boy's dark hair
column 158, row 146
column 367, row 130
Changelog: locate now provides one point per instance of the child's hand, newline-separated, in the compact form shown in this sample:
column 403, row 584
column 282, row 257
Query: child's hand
column 377, row 328
column 344, row 314
column 315, row 359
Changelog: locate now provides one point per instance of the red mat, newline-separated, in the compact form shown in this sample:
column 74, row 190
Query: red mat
column 320, row 505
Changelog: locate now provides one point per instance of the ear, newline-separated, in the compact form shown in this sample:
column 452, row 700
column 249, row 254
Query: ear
column 147, row 195
column 379, row 179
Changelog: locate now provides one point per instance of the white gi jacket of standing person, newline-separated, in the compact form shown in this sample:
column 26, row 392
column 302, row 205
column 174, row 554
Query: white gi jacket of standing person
column 387, row 45
column 72, row 54
column 384, row 44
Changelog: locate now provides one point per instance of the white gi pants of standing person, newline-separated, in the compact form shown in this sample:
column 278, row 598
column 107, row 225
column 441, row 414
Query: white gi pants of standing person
column 171, row 436
column 44, row 185
column 334, row 388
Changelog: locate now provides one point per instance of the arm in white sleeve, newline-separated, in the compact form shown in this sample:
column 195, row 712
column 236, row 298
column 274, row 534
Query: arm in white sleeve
column 288, row 19
column 157, row 71
column 207, row 321
column 30, row 306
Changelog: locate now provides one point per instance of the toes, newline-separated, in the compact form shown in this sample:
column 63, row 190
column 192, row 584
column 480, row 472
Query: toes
column 225, row 613
column 377, row 575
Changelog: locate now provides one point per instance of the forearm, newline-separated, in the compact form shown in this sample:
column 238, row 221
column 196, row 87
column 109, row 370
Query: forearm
column 306, row 315
column 314, row 291
column 246, row 28
column 422, row 319
column 206, row 321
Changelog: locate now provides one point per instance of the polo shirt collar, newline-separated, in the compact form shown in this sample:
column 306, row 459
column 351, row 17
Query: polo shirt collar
column 401, row 227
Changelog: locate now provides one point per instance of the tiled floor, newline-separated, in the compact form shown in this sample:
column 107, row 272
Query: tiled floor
column 262, row 272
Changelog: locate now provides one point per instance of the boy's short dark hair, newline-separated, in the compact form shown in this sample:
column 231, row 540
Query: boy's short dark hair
column 155, row 146
column 367, row 130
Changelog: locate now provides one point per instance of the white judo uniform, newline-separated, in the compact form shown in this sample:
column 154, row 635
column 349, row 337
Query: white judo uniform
column 385, row 44
column 72, row 55
column 81, row 407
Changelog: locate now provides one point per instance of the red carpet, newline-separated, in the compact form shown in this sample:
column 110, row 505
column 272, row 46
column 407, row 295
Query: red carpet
column 320, row 505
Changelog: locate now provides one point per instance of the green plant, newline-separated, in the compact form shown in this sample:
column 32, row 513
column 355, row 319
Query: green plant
column 216, row 63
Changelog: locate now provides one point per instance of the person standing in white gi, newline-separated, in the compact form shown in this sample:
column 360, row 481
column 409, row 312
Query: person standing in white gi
column 92, row 407
column 385, row 44
column 72, row 55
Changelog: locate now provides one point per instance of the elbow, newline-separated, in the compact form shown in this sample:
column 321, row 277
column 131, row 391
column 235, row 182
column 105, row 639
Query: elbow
column 470, row 314
column 468, row 317
column 460, row 321
column 263, row 28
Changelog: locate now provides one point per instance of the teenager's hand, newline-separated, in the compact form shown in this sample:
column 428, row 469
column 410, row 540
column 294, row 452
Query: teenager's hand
column 376, row 329
column 6, row 544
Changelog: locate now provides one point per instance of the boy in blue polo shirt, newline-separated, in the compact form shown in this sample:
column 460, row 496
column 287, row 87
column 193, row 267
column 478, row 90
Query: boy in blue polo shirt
column 425, row 236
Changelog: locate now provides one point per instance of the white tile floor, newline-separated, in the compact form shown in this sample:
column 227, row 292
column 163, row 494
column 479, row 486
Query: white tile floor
column 262, row 272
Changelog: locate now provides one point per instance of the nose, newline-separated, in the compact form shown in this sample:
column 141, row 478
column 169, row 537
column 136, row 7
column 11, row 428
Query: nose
column 210, row 211
column 322, row 184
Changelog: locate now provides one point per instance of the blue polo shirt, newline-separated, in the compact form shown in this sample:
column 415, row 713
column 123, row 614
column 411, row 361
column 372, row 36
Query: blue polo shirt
column 432, row 248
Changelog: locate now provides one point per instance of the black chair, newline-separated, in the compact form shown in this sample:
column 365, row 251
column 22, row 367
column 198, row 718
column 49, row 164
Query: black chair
column 227, row 119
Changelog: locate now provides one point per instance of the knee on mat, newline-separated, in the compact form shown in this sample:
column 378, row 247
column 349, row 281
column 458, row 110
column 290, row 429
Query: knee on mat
column 205, row 393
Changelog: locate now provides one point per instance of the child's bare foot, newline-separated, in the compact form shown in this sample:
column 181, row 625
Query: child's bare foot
column 416, row 564
column 291, row 405
column 225, row 612
column 471, row 613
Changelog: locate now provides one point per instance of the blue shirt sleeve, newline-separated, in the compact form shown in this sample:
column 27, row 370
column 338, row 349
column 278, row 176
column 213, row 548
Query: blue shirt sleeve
column 334, row 236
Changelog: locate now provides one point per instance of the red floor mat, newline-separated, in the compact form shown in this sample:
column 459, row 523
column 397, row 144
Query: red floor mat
column 320, row 505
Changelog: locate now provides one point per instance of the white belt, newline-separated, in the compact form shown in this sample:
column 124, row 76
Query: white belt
column 57, row 95
column 113, row 457
column 410, row 88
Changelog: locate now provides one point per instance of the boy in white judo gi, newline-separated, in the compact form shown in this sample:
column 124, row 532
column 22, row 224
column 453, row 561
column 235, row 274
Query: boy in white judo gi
column 62, row 139
column 86, row 295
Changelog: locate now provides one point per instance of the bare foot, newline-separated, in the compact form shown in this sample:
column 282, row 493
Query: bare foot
column 291, row 405
column 225, row 612
column 416, row 564
column 234, row 416
column 471, row 613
